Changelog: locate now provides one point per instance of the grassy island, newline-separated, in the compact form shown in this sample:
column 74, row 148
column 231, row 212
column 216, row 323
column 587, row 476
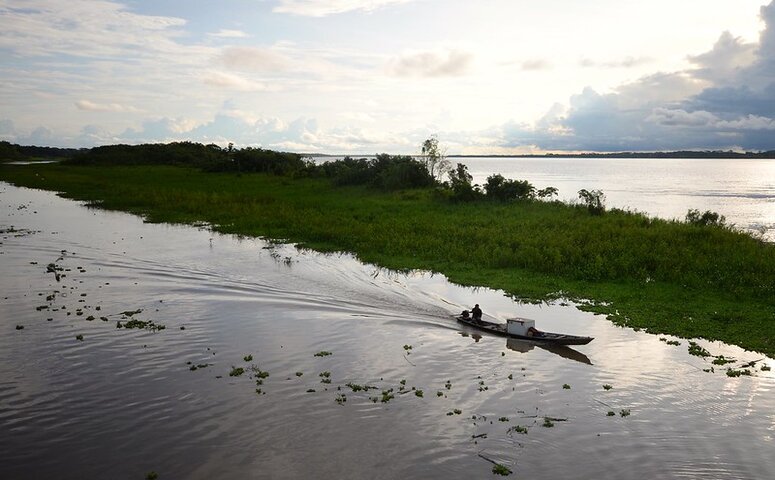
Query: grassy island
column 691, row 279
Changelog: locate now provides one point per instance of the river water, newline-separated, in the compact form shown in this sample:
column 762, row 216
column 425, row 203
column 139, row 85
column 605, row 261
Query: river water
column 121, row 403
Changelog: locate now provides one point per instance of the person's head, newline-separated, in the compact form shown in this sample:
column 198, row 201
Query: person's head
column 477, row 305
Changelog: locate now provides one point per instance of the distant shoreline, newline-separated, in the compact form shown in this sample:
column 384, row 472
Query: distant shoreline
column 685, row 155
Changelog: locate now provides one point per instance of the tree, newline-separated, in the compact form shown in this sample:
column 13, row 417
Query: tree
column 547, row 192
column 460, row 183
column 594, row 200
column 434, row 158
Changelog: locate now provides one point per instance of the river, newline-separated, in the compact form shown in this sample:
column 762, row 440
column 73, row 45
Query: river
column 81, row 398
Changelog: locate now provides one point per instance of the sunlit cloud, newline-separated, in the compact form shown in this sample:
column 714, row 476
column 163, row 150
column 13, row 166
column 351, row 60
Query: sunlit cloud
column 451, row 63
column 322, row 8
column 104, row 107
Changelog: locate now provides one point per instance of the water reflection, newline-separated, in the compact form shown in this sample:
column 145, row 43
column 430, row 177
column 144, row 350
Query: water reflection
column 121, row 403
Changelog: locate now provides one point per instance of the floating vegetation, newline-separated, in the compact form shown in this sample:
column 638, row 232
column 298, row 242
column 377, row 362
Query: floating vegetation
column 198, row 366
column 697, row 350
column 448, row 385
column 298, row 374
column 323, row 353
column 722, row 360
column 708, row 370
column 260, row 392
column 408, row 349
column 625, row 412
column 310, row 390
column 548, row 423
column 499, row 469
column 151, row 476
column 511, row 377
column 517, row 429
column 248, row 358
column 129, row 313
column 357, row 388
column 19, row 327
column 674, row 342
column 261, row 374
column 79, row 337
column 340, row 398
column 140, row 324
column 325, row 377
column 90, row 318
column 607, row 387
column 387, row 395
column 457, row 411
column 503, row 419
column 766, row 368
column 418, row 393
column 611, row 413
column 439, row 393
column 565, row 386
column 731, row 372
column 236, row 371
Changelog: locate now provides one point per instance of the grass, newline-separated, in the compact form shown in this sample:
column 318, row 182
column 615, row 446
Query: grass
column 659, row 275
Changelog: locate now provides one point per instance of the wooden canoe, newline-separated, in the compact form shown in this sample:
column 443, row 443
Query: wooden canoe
column 542, row 337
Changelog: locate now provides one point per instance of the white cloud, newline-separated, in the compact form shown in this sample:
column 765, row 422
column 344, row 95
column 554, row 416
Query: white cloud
column 536, row 64
column 322, row 8
column 225, row 33
column 254, row 58
column 104, row 107
column 431, row 64
column 233, row 82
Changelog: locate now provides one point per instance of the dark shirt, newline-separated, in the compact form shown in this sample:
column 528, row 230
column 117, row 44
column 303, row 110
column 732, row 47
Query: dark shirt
column 476, row 312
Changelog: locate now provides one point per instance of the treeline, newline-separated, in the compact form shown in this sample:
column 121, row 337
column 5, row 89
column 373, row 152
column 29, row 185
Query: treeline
column 694, row 154
column 13, row 152
column 209, row 158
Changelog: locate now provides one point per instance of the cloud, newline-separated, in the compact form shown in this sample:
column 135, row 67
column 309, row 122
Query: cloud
column 627, row 62
column 224, row 33
column 535, row 64
column 318, row 8
column 104, row 107
column 451, row 63
column 231, row 81
column 253, row 58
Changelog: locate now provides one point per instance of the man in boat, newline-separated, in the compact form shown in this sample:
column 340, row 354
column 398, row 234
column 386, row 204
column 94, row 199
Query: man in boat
column 476, row 313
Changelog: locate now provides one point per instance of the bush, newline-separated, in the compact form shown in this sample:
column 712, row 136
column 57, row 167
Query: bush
column 499, row 188
column 708, row 218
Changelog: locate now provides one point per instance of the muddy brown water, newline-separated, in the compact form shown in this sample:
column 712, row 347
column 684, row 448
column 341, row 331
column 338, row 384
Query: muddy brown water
column 121, row 403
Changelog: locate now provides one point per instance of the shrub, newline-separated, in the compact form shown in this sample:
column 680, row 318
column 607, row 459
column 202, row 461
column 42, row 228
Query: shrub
column 694, row 217
column 594, row 200
column 500, row 188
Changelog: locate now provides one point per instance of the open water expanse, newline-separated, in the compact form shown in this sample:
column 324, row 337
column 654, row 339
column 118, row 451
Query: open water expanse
column 119, row 403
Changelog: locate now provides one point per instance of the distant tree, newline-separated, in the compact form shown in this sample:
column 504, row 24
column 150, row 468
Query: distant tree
column 594, row 200
column 707, row 218
column 547, row 192
column 434, row 158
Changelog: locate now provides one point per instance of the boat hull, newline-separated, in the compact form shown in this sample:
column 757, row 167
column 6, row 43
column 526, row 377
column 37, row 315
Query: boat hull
column 541, row 337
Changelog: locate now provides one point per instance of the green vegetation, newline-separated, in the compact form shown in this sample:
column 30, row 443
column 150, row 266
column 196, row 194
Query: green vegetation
column 566, row 386
column 236, row 371
column 499, row 469
column 690, row 279
column 323, row 353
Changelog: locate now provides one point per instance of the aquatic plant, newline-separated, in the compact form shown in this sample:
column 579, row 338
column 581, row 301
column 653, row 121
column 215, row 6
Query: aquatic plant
column 439, row 394
column 236, row 371
column 340, row 398
column 611, row 413
column 448, row 385
column 457, row 411
column 722, row 360
column 298, row 374
column 418, row 393
column 731, row 372
column 548, row 423
column 607, row 387
column 499, row 469
column 511, row 376
column 697, row 350
column 503, row 419
column 19, row 327
column 79, row 337
column 565, row 386
column 323, row 353
column 625, row 412
column 248, row 358
column 151, row 476
column 766, row 368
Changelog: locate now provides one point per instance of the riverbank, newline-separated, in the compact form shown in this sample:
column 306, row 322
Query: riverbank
column 658, row 275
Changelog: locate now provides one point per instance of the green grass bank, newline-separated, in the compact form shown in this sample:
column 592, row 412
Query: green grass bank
column 663, row 276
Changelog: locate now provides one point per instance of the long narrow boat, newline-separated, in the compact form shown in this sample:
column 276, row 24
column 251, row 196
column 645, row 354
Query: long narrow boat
column 524, row 330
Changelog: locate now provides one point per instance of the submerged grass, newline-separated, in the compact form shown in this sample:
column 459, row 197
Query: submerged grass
column 660, row 275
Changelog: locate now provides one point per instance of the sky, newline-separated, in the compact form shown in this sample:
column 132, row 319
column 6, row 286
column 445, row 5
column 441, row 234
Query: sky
column 370, row 76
